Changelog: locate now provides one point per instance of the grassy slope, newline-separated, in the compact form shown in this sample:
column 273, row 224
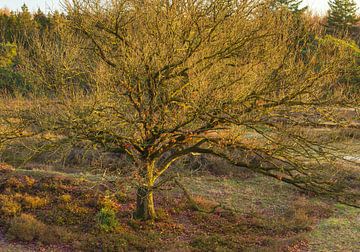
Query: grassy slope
column 340, row 232
column 259, row 214
column 334, row 227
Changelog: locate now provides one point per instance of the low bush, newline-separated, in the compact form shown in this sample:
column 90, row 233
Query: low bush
column 66, row 198
column 107, row 219
column 33, row 202
column 9, row 206
column 26, row 228
column 6, row 168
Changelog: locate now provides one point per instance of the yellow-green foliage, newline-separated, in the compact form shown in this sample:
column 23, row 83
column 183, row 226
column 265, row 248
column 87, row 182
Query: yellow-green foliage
column 351, row 69
column 29, row 181
column 109, row 203
column 9, row 206
column 7, row 54
column 20, row 182
column 75, row 209
column 340, row 44
column 107, row 215
column 107, row 219
column 122, row 197
column 32, row 202
column 66, row 198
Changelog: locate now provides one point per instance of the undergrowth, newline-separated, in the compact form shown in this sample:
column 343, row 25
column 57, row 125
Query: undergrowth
column 88, row 215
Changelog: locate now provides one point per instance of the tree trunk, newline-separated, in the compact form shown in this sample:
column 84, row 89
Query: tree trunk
column 145, row 208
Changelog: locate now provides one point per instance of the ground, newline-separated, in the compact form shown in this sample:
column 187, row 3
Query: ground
column 82, row 212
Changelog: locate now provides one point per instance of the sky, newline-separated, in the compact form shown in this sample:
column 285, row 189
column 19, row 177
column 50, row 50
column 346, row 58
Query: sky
column 317, row 6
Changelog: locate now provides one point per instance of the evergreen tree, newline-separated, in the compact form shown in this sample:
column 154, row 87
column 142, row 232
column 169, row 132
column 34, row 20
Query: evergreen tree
column 292, row 5
column 341, row 16
column 42, row 21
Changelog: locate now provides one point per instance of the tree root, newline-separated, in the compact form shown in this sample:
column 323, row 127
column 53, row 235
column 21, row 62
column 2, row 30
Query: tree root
column 192, row 202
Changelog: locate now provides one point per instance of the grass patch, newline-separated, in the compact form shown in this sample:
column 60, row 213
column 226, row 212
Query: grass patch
column 340, row 232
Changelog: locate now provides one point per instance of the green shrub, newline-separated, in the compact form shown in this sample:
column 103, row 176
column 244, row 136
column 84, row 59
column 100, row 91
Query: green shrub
column 107, row 219
column 8, row 53
column 12, row 82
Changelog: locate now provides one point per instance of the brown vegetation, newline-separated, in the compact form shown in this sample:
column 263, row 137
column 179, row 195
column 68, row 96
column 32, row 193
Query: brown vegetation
column 75, row 215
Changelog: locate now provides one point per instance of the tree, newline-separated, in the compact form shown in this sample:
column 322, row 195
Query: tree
column 42, row 21
column 7, row 54
column 9, row 79
column 341, row 16
column 173, row 78
column 25, row 22
column 292, row 5
column 350, row 72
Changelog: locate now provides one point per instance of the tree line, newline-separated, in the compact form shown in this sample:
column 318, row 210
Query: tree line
column 18, row 29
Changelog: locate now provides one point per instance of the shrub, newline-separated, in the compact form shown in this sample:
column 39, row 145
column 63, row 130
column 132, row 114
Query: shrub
column 9, row 206
column 12, row 82
column 14, row 183
column 66, row 198
column 25, row 228
column 32, row 202
column 8, row 52
column 122, row 197
column 109, row 203
column 75, row 209
column 6, row 168
column 29, row 181
column 56, row 235
column 351, row 69
column 107, row 219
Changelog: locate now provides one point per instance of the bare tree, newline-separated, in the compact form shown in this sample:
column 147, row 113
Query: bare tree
column 172, row 78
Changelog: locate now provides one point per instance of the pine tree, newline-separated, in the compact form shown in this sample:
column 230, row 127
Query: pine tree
column 292, row 5
column 42, row 21
column 341, row 16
